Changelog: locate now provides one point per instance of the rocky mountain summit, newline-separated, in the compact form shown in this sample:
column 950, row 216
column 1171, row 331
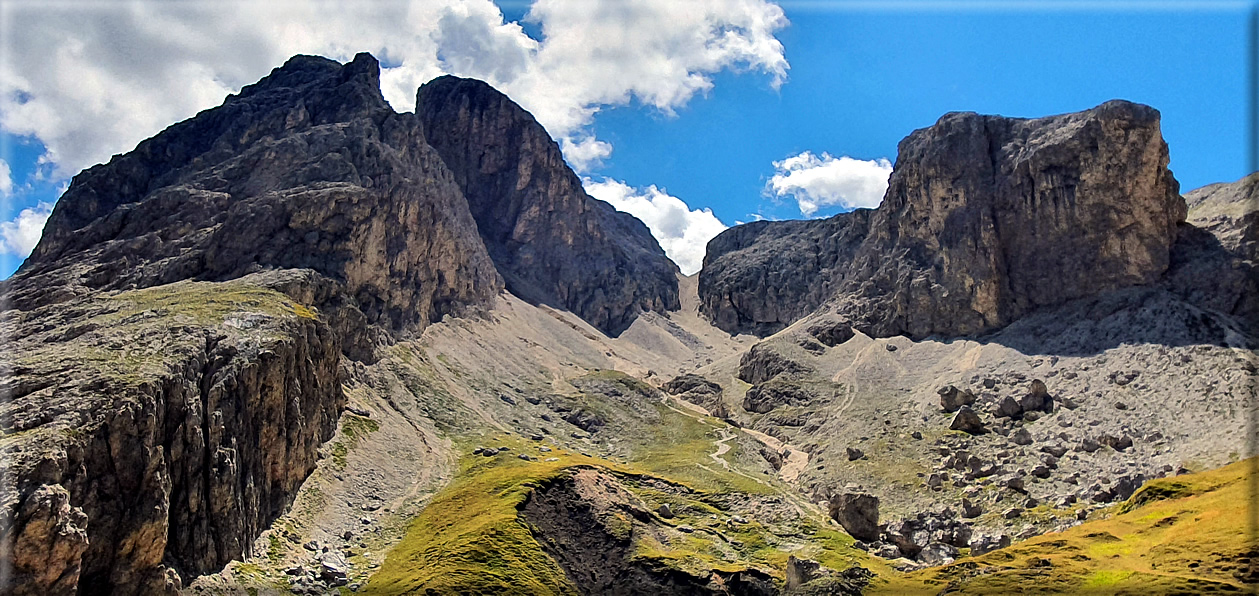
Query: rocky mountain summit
column 985, row 219
column 302, row 343
column 552, row 242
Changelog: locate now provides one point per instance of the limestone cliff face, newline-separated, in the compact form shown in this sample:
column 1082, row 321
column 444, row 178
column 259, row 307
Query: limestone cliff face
column 141, row 453
column 761, row 276
column 308, row 168
column 551, row 241
column 985, row 219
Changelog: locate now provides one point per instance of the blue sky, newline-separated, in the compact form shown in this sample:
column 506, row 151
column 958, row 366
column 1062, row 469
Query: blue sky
column 858, row 78
column 862, row 80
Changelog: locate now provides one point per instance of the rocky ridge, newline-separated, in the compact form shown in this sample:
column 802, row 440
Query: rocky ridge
column 985, row 219
column 552, row 242
column 306, row 169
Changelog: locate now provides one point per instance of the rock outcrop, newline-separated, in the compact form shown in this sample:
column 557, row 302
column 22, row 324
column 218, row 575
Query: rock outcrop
column 761, row 276
column 586, row 519
column 1215, row 262
column 985, row 219
column 764, row 362
column 699, row 391
column 858, row 513
column 553, row 243
column 140, row 453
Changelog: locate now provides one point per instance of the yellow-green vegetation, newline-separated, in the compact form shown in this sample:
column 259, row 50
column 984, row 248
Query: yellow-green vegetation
column 356, row 427
column 1189, row 534
column 253, row 576
column 675, row 445
column 469, row 540
column 129, row 336
column 206, row 303
column 678, row 449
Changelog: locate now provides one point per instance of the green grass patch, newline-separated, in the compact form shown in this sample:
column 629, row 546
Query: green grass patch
column 207, row 303
column 1169, row 537
column 1105, row 578
column 469, row 539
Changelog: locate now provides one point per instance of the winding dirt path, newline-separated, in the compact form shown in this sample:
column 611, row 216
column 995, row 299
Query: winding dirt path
column 795, row 461
column 722, row 447
column 793, row 464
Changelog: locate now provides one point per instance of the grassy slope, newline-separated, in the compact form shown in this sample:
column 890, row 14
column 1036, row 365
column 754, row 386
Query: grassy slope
column 469, row 540
column 1176, row 535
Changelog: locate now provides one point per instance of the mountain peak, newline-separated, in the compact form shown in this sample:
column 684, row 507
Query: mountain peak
column 553, row 243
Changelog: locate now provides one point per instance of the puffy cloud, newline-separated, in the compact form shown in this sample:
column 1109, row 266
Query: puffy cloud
column 6, row 179
column 585, row 154
column 92, row 79
column 682, row 232
column 19, row 235
column 826, row 181
column 659, row 53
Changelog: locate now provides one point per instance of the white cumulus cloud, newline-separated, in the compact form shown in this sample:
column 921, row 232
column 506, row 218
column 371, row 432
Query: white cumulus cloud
column 585, row 154
column 19, row 235
column 682, row 232
column 815, row 181
column 89, row 80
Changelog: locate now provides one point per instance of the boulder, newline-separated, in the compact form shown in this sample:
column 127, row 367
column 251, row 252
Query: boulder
column 1037, row 398
column 858, row 513
column 971, row 510
column 904, row 543
column 888, row 551
column 1117, row 443
column 1056, row 449
column 938, row 553
column 967, row 420
column 984, row 543
column 1007, row 408
column 1087, row 445
column 1021, row 437
column 952, row 398
column 801, row 571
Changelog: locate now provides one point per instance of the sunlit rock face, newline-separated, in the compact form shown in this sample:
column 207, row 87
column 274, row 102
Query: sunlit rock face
column 985, row 219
